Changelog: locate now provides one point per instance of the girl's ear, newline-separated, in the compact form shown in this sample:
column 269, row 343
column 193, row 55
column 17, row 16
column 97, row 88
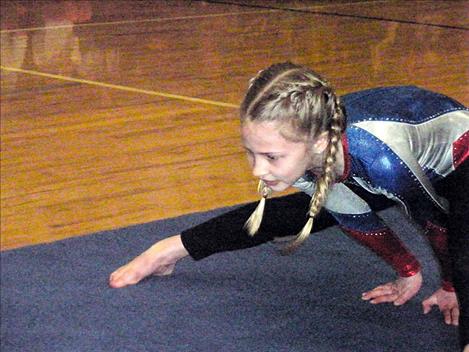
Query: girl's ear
column 320, row 143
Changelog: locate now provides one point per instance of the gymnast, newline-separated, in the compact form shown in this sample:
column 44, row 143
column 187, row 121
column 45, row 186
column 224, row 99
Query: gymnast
column 350, row 157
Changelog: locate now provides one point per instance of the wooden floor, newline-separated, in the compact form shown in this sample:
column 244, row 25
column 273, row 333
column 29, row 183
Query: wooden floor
column 123, row 112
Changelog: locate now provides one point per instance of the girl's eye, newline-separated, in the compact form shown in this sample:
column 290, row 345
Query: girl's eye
column 272, row 157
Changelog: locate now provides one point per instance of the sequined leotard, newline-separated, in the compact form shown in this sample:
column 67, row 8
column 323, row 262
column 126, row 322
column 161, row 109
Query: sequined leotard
column 406, row 144
column 399, row 142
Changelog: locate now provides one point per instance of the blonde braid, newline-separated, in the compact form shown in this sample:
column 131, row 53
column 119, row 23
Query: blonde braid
column 325, row 181
column 254, row 222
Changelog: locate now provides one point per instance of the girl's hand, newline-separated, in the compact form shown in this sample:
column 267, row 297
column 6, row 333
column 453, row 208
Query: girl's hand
column 397, row 292
column 448, row 304
column 160, row 259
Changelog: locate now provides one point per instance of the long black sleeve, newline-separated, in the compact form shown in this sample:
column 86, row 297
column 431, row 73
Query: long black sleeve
column 283, row 216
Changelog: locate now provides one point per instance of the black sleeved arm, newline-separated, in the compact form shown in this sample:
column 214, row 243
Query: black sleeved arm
column 283, row 216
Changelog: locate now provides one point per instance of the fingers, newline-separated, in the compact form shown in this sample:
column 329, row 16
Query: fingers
column 447, row 316
column 115, row 281
column 139, row 268
column 131, row 273
column 382, row 294
column 123, row 277
column 428, row 304
column 398, row 292
column 455, row 316
column 451, row 316
column 400, row 300
column 403, row 289
column 446, row 303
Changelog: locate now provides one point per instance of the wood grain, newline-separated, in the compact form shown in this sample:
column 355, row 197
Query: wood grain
column 80, row 157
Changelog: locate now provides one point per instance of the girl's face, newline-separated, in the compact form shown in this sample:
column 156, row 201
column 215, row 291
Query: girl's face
column 275, row 160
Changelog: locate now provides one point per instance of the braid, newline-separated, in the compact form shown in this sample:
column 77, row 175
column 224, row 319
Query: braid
column 260, row 83
column 325, row 181
column 254, row 222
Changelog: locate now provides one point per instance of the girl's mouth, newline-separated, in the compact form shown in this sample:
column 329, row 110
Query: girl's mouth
column 270, row 183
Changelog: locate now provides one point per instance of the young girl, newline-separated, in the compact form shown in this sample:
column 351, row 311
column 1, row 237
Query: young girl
column 405, row 144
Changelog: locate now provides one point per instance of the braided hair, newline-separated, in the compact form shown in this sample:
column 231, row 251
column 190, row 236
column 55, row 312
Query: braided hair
column 296, row 95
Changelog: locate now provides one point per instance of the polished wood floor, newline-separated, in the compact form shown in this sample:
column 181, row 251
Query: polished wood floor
column 123, row 112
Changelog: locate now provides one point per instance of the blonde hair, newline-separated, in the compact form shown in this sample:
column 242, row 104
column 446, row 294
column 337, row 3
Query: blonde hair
column 296, row 95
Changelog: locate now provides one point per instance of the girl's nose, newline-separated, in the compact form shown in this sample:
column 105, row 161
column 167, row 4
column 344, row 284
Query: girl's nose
column 259, row 168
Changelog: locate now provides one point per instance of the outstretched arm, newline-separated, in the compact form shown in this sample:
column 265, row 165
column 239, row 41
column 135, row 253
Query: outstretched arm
column 283, row 217
column 223, row 233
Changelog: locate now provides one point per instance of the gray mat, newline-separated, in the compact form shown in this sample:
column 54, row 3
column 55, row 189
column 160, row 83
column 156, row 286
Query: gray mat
column 55, row 297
